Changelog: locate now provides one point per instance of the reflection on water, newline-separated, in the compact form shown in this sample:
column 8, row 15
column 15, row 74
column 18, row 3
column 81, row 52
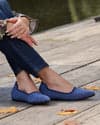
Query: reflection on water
column 52, row 13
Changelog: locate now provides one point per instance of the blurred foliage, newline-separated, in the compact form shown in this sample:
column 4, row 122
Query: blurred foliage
column 57, row 12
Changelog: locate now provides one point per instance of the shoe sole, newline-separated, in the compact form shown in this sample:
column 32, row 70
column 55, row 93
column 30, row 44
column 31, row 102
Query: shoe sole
column 74, row 100
column 39, row 103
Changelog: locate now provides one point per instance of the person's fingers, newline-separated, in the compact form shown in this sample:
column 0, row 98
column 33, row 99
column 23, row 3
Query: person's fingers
column 14, row 27
column 12, row 20
column 21, row 33
column 20, row 30
column 29, row 40
column 18, row 33
column 17, row 30
column 34, row 41
column 10, row 23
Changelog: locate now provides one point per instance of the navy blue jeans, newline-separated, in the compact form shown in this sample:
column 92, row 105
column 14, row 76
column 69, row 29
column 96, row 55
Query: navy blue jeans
column 19, row 54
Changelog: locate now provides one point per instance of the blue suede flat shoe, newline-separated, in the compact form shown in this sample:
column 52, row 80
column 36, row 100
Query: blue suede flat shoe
column 31, row 98
column 75, row 95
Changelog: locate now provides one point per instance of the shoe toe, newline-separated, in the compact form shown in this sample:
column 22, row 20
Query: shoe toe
column 37, row 97
column 80, row 93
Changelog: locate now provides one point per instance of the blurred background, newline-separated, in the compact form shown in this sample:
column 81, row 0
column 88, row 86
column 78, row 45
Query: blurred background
column 52, row 13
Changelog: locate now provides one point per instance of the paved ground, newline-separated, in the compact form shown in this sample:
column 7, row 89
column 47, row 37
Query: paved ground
column 74, row 52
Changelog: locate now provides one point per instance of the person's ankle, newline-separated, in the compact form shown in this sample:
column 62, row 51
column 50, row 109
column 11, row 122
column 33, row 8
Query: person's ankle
column 59, row 87
column 27, row 89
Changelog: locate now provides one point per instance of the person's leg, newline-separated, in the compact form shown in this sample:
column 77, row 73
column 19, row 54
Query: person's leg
column 34, row 64
column 24, row 89
column 55, row 81
column 24, row 55
column 29, row 60
column 21, row 76
column 52, row 79
column 5, row 10
column 24, row 81
column 6, row 13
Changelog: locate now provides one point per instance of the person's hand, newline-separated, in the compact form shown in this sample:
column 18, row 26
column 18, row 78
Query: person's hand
column 19, row 28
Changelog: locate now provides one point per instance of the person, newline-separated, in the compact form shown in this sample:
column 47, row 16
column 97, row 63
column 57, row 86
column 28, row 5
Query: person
column 24, row 60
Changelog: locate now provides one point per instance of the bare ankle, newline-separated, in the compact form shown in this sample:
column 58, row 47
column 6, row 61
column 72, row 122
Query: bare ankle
column 43, row 73
column 25, row 82
column 55, row 81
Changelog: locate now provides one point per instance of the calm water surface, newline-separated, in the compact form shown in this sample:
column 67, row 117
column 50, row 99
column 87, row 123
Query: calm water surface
column 52, row 13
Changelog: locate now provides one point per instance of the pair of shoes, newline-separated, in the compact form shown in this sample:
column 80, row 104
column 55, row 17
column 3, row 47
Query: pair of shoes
column 75, row 95
column 31, row 98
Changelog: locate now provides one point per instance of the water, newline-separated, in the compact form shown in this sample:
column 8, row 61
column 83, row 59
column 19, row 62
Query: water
column 53, row 13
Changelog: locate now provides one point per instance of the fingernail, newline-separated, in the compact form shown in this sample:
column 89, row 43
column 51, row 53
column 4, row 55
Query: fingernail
column 8, row 34
column 7, row 31
column 12, row 37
